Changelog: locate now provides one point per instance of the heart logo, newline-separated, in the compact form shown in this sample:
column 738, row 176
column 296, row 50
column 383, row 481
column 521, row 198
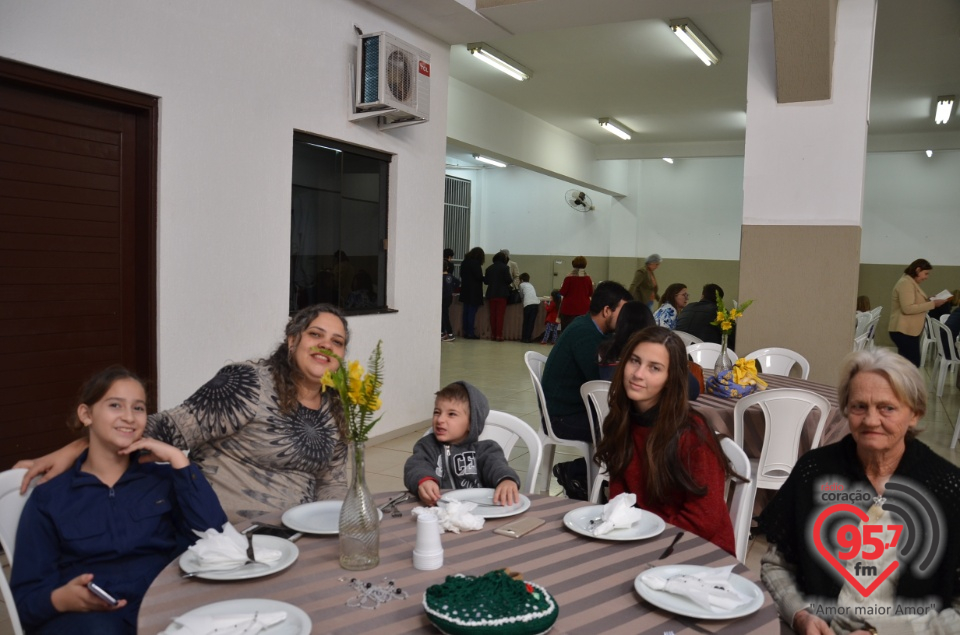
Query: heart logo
column 829, row 557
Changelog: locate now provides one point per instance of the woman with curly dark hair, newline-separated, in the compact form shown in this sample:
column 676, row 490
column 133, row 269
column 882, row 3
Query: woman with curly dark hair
column 471, row 289
column 656, row 447
column 264, row 434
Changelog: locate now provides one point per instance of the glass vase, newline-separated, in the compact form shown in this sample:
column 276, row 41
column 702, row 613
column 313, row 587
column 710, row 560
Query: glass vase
column 723, row 362
column 359, row 521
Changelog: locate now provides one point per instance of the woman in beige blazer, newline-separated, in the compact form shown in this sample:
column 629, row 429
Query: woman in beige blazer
column 909, row 309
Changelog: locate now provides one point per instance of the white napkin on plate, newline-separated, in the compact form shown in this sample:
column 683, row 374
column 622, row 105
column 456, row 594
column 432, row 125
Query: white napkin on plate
column 711, row 588
column 232, row 624
column 454, row 516
column 619, row 513
column 216, row 550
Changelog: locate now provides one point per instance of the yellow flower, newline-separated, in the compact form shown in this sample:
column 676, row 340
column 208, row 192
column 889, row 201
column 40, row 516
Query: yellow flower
column 734, row 314
column 726, row 325
column 327, row 381
column 720, row 316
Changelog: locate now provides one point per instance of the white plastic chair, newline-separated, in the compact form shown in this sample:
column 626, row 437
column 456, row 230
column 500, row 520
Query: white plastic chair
column 742, row 495
column 785, row 412
column 863, row 319
column 706, row 354
column 594, row 394
column 872, row 332
column 945, row 317
column 947, row 352
column 926, row 341
column 11, row 505
column 780, row 361
column 859, row 342
column 506, row 429
column 535, row 363
column 956, row 433
column 687, row 338
column 7, row 595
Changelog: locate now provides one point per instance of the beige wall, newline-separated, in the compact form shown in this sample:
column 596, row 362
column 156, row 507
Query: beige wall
column 804, row 283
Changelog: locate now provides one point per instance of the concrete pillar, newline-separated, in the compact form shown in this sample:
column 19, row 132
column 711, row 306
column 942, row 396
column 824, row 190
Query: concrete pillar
column 803, row 185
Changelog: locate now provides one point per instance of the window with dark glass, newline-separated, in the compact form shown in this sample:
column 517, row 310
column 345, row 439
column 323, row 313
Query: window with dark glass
column 338, row 231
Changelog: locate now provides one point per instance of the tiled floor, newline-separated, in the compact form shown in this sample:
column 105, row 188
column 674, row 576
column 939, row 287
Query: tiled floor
column 498, row 370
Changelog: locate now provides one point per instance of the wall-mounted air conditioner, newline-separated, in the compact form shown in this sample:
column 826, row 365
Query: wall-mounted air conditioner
column 393, row 81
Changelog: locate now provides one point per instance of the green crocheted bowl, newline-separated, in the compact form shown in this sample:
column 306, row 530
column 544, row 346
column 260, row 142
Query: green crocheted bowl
column 491, row 604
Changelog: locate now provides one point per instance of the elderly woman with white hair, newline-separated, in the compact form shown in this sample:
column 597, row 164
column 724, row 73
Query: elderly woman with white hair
column 863, row 533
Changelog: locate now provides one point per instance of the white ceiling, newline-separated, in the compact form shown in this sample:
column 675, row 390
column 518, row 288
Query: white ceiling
column 618, row 58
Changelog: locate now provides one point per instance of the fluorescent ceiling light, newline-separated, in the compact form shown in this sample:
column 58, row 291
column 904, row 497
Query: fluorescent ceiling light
column 498, row 60
column 944, row 108
column 494, row 162
column 695, row 40
column 668, row 160
column 929, row 153
column 617, row 128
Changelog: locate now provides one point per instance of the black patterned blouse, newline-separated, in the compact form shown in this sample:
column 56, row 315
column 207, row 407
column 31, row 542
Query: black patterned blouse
column 257, row 459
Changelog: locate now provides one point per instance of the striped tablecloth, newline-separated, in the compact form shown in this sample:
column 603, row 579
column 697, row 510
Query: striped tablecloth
column 719, row 413
column 592, row 580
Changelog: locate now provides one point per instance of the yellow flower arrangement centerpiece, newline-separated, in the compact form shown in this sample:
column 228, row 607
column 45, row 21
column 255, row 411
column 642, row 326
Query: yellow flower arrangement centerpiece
column 732, row 379
column 360, row 396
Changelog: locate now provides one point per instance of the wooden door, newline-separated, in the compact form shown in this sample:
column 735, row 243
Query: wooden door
column 77, row 246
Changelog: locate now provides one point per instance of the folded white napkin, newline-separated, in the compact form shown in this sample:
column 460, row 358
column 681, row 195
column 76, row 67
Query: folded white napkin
column 711, row 588
column 232, row 624
column 216, row 550
column 619, row 513
column 454, row 516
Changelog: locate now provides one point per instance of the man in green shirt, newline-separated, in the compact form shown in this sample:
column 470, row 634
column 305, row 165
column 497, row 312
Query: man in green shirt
column 573, row 361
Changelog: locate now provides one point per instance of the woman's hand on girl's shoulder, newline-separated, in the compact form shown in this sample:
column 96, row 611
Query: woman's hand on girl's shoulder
column 75, row 597
column 158, row 451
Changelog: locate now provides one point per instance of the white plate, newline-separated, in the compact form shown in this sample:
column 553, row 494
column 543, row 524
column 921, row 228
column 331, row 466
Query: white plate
column 189, row 562
column 578, row 520
column 321, row 517
column 297, row 622
column 683, row 606
column 485, row 495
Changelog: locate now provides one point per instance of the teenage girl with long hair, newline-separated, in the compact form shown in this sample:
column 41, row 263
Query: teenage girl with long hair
column 656, row 447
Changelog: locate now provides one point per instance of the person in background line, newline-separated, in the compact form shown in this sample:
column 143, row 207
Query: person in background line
column 498, row 282
column 531, row 306
column 514, row 269
column 672, row 302
column 656, row 447
column 471, row 289
column 577, row 289
column 551, row 321
column 573, row 361
column 908, row 309
column 448, row 254
column 450, row 283
column 644, row 286
column 110, row 519
column 863, row 303
column 695, row 318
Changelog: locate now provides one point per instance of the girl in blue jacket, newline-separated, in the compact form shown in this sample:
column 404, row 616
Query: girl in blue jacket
column 110, row 519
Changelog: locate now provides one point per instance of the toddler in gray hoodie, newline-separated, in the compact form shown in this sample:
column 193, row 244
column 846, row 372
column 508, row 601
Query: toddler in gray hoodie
column 453, row 457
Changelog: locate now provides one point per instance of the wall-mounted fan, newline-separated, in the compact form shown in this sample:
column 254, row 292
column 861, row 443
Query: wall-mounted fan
column 579, row 201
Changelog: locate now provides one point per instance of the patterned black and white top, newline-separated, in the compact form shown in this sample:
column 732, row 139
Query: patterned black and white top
column 256, row 458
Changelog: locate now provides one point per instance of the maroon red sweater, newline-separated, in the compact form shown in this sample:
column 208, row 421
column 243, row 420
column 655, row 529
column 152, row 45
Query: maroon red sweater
column 707, row 515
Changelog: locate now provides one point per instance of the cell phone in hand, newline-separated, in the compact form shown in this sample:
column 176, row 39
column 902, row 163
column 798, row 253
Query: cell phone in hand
column 103, row 595
column 273, row 530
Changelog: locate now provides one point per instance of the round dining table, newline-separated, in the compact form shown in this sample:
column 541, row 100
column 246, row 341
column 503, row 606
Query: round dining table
column 592, row 580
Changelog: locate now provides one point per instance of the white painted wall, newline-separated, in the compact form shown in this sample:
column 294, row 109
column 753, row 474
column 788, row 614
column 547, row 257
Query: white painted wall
column 236, row 78
column 912, row 208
